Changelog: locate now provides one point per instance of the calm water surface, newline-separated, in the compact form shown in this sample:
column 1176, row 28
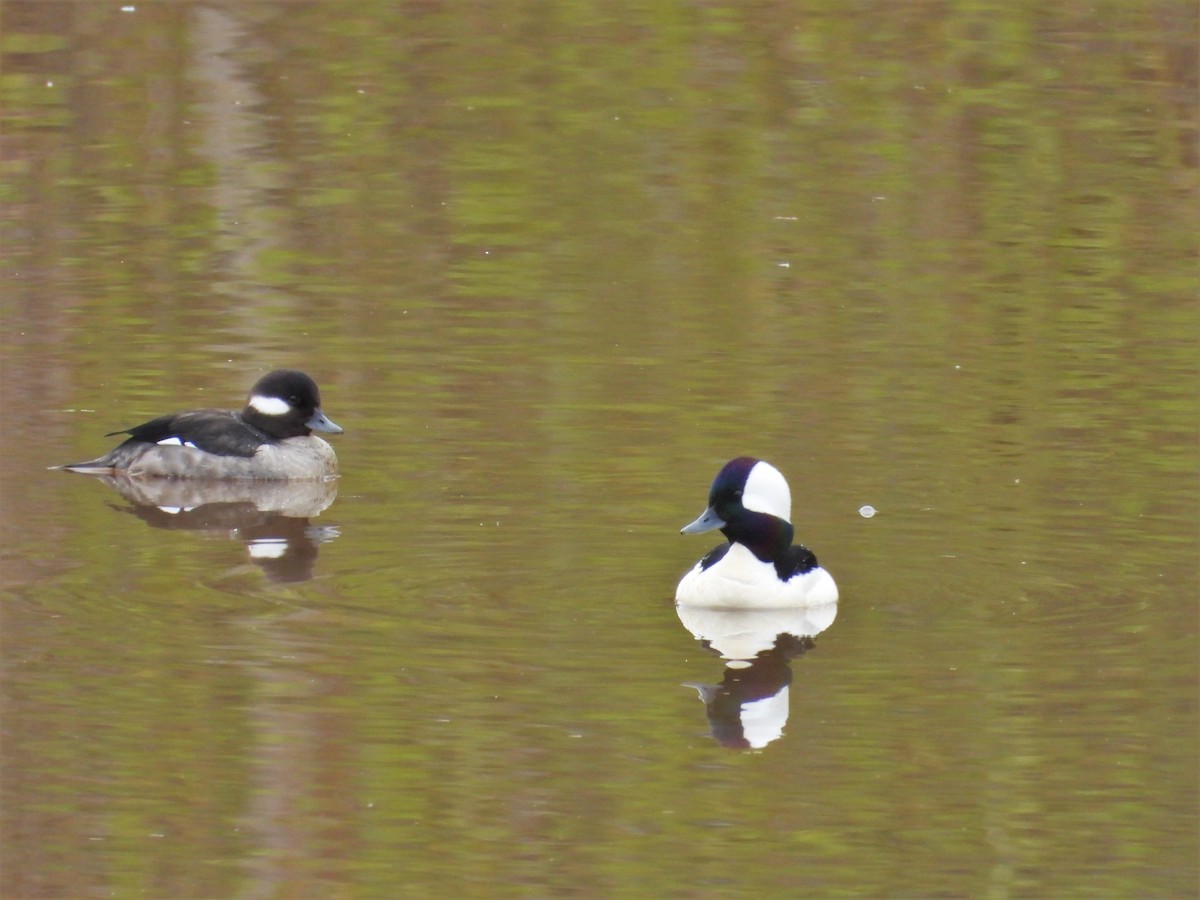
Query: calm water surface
column 552, row 266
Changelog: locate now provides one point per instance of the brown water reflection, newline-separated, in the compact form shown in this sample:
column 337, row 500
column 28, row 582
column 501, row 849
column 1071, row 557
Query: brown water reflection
column 556, row 265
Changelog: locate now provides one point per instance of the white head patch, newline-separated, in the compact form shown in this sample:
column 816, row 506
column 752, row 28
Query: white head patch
column 269, row 406
column 767, row 492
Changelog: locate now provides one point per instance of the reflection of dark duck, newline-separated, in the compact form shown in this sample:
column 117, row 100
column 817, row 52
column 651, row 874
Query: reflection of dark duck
column 271, row 438
column 759, row 567
column 272, row 518
column 201, row 501
column 749, row 708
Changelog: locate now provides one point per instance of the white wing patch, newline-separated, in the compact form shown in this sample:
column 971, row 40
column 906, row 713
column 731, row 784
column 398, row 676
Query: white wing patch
column 267, row 548
column 270, row 406
column 176, row 442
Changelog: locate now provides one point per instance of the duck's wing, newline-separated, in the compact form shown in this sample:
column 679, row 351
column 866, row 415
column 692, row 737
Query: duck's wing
column 218, row 431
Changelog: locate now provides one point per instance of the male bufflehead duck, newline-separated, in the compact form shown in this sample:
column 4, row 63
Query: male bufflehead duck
column 271, row 439
column 760, row 567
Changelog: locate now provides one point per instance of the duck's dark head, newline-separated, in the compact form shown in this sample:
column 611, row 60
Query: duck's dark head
column 286, row 403
column 751, row 503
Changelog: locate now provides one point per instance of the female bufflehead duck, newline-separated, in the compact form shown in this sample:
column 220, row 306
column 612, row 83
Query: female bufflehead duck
column 271, row 439
column 760, row 567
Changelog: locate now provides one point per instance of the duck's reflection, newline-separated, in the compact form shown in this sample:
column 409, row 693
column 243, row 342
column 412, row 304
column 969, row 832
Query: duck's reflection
column 749, row 708
column 272, row 518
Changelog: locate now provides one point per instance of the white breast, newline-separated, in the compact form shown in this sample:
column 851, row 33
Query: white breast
column 740, row 580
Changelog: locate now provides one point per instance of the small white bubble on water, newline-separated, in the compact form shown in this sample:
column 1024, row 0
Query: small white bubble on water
column 866, row 511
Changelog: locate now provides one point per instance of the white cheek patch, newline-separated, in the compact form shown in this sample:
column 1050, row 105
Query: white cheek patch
column 176, row 442
column 767, row 492
column 270, row 406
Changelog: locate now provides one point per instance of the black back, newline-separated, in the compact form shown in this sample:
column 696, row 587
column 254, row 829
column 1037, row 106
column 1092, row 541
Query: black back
column 795, row 559
column 219, row 431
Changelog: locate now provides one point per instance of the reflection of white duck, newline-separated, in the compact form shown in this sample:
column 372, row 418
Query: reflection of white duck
column 759, row 567
column 745, row 633
column 750, row 707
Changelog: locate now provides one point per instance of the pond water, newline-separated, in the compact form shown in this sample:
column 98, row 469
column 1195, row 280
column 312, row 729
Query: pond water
column 552, row 265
